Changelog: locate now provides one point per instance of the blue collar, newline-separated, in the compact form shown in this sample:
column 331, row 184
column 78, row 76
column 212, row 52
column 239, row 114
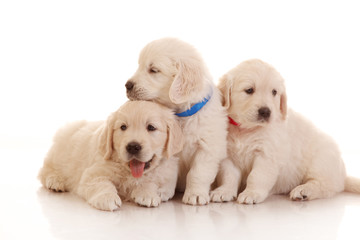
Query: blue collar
column 194, row 109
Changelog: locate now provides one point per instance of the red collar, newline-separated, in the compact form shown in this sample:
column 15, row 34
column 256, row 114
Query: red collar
column 233, row 122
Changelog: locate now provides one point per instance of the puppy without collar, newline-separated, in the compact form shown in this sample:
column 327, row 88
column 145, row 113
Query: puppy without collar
column 131, row 155
column 272, row 149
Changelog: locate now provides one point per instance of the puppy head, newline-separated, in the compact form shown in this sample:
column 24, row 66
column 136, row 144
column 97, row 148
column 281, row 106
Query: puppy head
column 254, row 94
column 170, row 72
column 140, row 135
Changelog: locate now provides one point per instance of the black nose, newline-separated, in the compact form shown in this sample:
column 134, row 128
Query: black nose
column 129, row 85
column 264, row 113
column 133, row 148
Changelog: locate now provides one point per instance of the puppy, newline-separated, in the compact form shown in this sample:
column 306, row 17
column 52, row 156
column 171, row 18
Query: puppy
column 272, row 149
column 172, row 73
column 129, row 155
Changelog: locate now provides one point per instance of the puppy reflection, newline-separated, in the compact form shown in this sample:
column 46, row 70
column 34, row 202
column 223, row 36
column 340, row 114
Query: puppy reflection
column 130, row 155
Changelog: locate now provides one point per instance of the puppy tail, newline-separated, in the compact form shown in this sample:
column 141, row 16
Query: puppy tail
column 352, row 184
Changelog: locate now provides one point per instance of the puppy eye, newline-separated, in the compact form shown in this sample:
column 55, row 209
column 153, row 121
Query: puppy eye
column 151, row 128
column 249, row 90
column 274, row 92
column 123, row 127
column 153, row 70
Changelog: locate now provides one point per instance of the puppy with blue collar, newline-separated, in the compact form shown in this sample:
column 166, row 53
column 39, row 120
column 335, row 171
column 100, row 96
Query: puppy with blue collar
column 172, row 73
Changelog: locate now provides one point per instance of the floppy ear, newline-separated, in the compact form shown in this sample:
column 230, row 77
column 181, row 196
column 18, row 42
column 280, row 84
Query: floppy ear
column 105, row 140
column 187, row 81
column 175, row 140
column 283, row 105
column 225, row 86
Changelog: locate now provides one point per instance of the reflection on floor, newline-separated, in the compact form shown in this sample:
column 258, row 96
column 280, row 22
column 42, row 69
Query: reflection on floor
column 29, row 211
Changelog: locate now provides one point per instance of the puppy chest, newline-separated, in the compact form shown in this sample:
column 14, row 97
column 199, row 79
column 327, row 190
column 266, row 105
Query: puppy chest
column 190, row 143
column 243, row 151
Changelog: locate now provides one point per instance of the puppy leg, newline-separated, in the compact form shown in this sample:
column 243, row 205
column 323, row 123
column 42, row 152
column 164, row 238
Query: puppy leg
column 260, row 181
column 146, row 195
column 51, row 179
column 229, row 178
column 313, row 189
column 322, row 182
column 167, row 191
column 308, row 191
column 199, row 178
column 97, row 188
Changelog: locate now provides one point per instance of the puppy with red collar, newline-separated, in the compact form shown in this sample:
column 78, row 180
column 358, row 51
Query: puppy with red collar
column 272, row 149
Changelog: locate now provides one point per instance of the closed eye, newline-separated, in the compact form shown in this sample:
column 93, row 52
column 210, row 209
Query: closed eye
column 153, row 70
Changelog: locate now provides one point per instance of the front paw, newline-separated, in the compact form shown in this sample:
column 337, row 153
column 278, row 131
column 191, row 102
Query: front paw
column 222, row 194
column 251, row 197
column 147, row 199
column 195, row 198
column 166, row 195
column 105, row 201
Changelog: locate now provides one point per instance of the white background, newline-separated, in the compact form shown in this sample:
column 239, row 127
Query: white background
column 68, row 60
column 62, row 61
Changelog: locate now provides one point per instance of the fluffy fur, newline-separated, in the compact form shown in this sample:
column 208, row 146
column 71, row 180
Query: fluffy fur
column 172, row 73
column 92, row 159
column 275, row 151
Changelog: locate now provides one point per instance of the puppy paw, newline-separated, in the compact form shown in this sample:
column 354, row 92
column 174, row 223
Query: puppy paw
column 251, row 197
column 146, row 199
column 55, row 183
column 105, row 201
column 166, row 196
column 300, row 193
column 195, row 198
column 222, row 195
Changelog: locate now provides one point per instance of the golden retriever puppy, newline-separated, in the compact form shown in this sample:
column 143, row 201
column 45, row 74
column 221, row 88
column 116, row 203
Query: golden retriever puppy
column 272, row 149
column 129, row 155
column 172, row 73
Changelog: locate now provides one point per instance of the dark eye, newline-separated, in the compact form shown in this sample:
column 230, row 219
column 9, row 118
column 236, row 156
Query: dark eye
column 274, row 92
column 249, row 91
column 123, row 127
column 151, row 128
column 153, row 70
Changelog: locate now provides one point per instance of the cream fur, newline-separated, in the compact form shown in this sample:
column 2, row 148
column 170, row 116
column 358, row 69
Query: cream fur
column 171, row 72
column 285, row 154
column 90, row 158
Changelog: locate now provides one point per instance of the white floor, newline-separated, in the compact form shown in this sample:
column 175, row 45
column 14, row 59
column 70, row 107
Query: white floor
column 27, row 211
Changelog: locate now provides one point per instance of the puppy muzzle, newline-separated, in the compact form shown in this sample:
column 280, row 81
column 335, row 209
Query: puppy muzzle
column 129, row 86
column 264, row 114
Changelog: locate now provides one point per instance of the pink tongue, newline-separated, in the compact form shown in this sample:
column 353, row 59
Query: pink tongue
column 137, row 168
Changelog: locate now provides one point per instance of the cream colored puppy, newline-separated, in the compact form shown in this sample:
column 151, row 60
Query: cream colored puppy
column 273, row 150
column 172, row 73
column 129, row 155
